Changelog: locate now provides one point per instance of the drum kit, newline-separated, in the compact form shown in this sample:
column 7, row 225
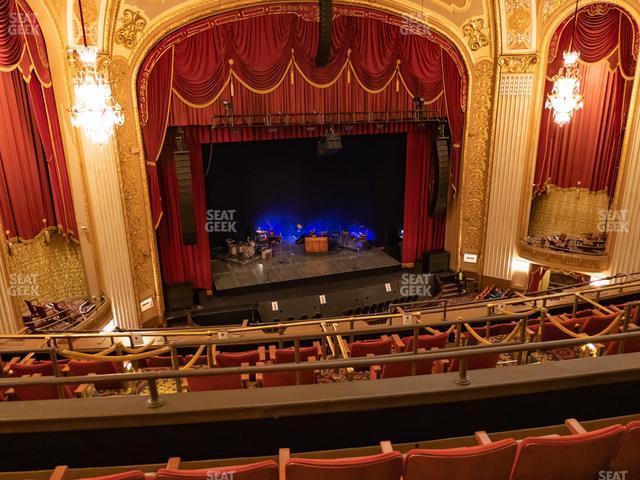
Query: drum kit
column 241, row 250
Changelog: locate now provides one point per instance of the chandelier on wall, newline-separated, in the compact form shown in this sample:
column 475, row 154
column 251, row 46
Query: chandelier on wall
column 94, row 110
column 565, row 97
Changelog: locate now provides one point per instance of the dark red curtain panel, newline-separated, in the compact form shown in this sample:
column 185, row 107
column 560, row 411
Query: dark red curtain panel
column 587, row 151
column 181, row 262
column 23, row 56
column 421, row 232
column 25, row 192
column 265, row 63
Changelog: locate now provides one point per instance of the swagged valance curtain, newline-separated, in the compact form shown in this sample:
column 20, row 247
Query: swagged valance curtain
column 34, row 185
column 265, row 64
column 588, row 149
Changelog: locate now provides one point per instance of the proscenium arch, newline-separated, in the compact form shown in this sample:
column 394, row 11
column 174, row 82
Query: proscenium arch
column 552, row 25
column 206, row 10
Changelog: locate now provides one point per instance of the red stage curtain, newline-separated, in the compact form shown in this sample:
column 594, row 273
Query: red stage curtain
column 179, row 262
column 23, row 56
column 421, row 232
column 588, row 149
column 25, row 192
column 266, row 64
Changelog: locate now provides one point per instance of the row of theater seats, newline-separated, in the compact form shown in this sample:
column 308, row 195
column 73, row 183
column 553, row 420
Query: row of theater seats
column 588, row 322
column 610, row 452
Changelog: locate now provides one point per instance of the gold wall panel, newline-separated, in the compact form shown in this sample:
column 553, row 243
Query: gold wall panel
column 44, row 270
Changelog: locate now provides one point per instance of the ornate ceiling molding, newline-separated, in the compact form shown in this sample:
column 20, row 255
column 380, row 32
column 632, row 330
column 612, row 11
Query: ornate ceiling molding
column 476, row 33
column 517, row 63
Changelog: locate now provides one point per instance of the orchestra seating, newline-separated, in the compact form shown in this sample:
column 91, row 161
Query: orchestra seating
column 570, row 453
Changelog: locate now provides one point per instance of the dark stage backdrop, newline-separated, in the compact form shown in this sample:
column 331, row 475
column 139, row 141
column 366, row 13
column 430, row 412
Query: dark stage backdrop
column 282, row 183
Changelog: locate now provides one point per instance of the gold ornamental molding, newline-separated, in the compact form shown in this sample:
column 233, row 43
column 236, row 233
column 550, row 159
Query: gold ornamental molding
column 477, row 164
column 477, row 34
column 517, row 63
column 563, row 261
column 131, row 26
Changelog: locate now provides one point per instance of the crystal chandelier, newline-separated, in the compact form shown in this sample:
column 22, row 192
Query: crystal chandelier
column 565, row 97
column 94, row 110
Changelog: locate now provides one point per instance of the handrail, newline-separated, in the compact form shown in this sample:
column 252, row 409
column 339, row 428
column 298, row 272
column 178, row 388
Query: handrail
column 461, row 353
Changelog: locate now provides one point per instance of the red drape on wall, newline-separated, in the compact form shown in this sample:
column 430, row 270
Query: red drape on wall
column 25, row 192
column 185, row 262
column 23, row 57
column 588, row 149
column 373, row 67
column 421, row 232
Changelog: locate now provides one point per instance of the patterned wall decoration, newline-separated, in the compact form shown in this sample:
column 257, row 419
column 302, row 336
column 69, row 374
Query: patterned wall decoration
column 140, row 232
column 477, row 164
column 46, row 270
column 517, row 63
column 131, row 25
column 476, row 33
column 91, row 13
column 519, row 27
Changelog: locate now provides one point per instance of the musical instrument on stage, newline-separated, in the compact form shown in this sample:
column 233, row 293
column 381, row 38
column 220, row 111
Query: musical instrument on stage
column 316, row 244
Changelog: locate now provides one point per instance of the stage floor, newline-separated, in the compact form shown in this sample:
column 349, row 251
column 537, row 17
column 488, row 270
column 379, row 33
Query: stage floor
column 289, row 264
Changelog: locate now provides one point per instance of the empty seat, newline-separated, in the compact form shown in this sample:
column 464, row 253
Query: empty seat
column 401, row 369
column 236, row 359
column 384, row 466
column 267, row 470
column 552, row 332
column 596, row 324
column 362, row 348
column 476, row 362
column 288, row 355
column 482, row 462
column 85, row 367
column 216, row 382
column 44, row 368
column 426, row 341
column 283, row 379
column 627, row 458
column 571, row 457
column 40, row 392
column 162, row 361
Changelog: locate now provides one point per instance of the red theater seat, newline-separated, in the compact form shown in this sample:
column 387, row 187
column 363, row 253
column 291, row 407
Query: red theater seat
column 552, row 332
column 162, row 361
column 628, row 456
column 596, row 324
column 362, row 348
column 483, row 462
column 267, row 470
column 216, row 382
column 79, row 368
column 283, row 379
column 631, row 345
column 571, row 457
column 39, row 392
column 384, row 466
column 426, row 341
column 401, row 369
column 477, row 362
column 44, row 368
column 288, row 355
column 60, row 473
column 236, row 359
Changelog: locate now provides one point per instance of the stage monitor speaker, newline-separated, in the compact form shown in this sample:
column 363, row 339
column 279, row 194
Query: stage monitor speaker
column 179, row 296
column 185, row 189
column 326, row 30
column 436, row 261
column 441, row 176
column 281, row 310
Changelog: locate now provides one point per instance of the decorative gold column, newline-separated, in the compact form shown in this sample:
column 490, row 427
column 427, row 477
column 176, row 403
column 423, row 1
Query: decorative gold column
column 110, row 235
column 513, row 117
column 8, row 313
